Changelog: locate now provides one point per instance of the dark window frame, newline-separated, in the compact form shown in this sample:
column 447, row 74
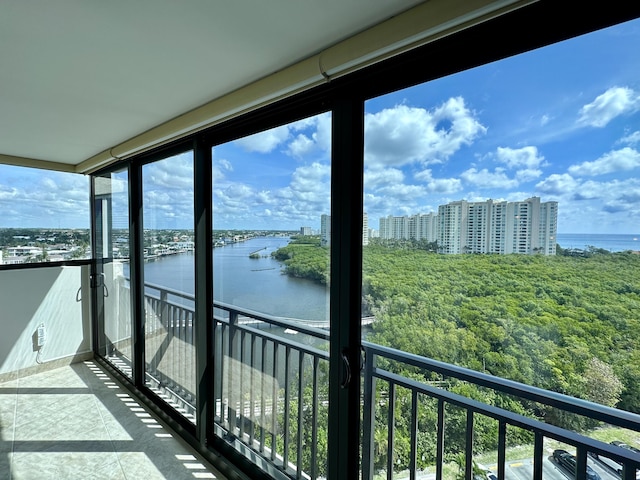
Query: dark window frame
column 527, row 28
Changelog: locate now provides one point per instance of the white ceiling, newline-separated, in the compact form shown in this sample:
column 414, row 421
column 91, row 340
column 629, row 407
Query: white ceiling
column 78, row 77
column 85, row 82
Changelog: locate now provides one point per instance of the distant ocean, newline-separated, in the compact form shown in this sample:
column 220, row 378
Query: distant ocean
column 613, row 243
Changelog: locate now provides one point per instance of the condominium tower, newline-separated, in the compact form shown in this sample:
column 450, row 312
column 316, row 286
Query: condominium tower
column 527, row 227
column 325, row 230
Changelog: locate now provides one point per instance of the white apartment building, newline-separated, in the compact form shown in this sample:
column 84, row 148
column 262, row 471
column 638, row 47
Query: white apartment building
column 365, row 229
column 526, row 227
column 306, row 231
column 325, row 230
column 422, row 226
column 452, row 224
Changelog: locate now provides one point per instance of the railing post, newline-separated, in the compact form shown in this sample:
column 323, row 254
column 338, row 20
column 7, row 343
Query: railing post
column 469, row 447
column 502, row 447
column 164, row 310
column 537, row 456
column 413, row 460
column 581, row 462
column 233, row 419
column 368, row 416
column 440, row 440
column 391, row 429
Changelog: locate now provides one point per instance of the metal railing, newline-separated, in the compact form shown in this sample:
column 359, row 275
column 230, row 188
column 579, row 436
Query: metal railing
column 421, row 390
column 271, row 396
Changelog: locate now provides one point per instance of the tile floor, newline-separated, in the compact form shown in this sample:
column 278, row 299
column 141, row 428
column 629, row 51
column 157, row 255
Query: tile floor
column 76, row 422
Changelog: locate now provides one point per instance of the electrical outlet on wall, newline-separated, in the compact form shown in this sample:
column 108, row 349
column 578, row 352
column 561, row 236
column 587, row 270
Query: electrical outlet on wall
column 42, row 335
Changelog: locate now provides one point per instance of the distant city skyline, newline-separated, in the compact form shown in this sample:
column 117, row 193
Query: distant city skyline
column 561, row 123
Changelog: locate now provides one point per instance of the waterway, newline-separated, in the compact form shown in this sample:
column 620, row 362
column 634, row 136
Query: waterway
column 256, row 284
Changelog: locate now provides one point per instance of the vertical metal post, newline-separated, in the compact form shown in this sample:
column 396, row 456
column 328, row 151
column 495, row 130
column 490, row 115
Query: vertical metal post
column 502, row 448
column 581, row 462
column 314, row 420
column 468, row 464
column 369, row 416
column 347, row 154
column 440, row 440
column 414, row 435
column 391, row 429
column 203, row 328
column 231, row 393
column 537, row 456
column 136, row 268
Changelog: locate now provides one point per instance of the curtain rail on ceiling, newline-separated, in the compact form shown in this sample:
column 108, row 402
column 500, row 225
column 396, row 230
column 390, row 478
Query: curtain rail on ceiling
column 422, row 24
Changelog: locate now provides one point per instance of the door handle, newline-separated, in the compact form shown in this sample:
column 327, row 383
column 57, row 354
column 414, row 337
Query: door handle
column 347, row 369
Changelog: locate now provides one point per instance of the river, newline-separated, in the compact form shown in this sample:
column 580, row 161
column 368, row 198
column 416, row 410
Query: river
column 253, row 283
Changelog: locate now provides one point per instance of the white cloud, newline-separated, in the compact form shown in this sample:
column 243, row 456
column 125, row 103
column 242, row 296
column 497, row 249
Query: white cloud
column 525, row 160
column 316, row 139
column 444, row 186
column 225, row 165
column 172, row 173
column 621, row 160
column 607, row 106
column 33, row 198
column 525, row 157
column 486, row 179
column 403, row 193
column 265, row 142
column 374, row 178
column 631, row 139
column 558, row 184
column 403, row 135
column 301, row 146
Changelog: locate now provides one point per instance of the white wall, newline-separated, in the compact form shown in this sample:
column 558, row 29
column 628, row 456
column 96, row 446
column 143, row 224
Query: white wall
column 59, row 298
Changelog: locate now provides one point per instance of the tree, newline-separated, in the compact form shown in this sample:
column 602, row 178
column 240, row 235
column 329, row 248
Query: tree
column 601, row 383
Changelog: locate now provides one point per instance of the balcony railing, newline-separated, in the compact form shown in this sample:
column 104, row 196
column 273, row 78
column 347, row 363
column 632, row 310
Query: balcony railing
column 271, row 398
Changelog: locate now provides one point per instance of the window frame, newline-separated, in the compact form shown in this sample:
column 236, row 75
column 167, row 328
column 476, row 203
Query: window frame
column 530, row 27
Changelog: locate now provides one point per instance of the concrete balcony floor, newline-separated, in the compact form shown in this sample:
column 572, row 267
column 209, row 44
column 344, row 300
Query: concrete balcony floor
column 77, row 422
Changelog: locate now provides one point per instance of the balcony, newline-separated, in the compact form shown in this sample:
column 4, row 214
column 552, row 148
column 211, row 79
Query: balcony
column 62, row 416
column 271, row 404
column 262, row 395
column 271, row 397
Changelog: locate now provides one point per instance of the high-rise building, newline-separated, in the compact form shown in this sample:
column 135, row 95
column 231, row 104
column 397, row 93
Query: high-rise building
column 452, row 223
column 306, row 231
column 526, row 227
column 325, row 230
column 365, row 229
column 422, row 226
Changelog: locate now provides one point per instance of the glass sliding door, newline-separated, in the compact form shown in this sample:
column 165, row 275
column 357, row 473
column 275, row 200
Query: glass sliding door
column 271, row 238
column 502, row 203
column 168, row 272
column 111, row 280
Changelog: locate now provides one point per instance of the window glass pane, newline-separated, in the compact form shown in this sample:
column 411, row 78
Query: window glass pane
column 505, row 237
column 271, row 209
column 113, row 294
column 169, row 279
column 45, row 215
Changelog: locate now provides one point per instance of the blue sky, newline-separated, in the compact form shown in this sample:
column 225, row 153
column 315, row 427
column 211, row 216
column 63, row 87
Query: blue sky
column 561, row 123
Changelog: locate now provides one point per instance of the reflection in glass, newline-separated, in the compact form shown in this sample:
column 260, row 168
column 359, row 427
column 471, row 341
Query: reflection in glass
column 112, row 255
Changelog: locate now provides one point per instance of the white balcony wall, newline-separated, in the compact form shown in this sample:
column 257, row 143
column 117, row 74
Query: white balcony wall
column 58, row 298
column 117, row 308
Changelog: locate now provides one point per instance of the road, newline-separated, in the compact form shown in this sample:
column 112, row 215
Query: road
column 523, row 470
